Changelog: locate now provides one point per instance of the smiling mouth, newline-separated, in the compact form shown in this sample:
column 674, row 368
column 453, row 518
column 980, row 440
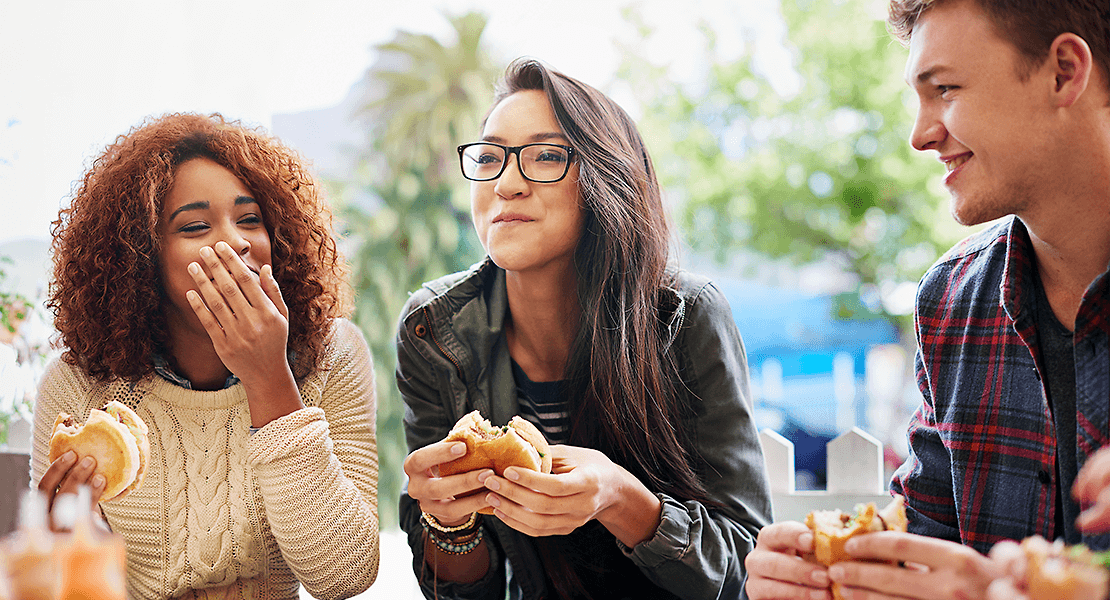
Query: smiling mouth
column 956, row 162
column 512, row 219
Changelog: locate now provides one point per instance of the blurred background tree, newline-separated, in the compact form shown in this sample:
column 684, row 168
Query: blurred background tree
column 821, row 174
column 405, row 214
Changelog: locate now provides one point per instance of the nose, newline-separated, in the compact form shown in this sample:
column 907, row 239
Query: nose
column 238, row 242
column 511, row 183
column 928, row 130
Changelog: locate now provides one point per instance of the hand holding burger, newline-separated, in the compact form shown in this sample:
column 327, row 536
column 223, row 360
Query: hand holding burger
column 833, row 528
column 473, row 447
column 1037, row 569
column 518, row 444
column 115, row 437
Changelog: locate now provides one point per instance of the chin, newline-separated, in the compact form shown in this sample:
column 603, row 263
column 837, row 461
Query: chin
column 970, row 213
column 510, row 263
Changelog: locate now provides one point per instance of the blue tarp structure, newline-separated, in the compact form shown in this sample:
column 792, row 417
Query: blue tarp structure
column 804, row 333
column 789, row 324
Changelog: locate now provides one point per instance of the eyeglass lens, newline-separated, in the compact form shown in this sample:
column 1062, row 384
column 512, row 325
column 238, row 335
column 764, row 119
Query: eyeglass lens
column 538, row 162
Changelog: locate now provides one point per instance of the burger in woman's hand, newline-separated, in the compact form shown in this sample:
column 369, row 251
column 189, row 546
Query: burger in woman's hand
column 115, row 436
column 518, row 444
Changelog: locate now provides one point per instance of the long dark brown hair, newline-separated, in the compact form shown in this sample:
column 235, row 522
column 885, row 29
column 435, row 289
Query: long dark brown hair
column 107, row 291
column 623, row 385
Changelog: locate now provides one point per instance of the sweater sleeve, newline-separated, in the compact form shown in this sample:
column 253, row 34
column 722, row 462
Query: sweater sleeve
column 318, row 472
column 698, row 550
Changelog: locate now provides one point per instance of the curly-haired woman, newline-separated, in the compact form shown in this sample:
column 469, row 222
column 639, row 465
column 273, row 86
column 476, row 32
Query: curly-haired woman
column 196, row 280
column 632, row 368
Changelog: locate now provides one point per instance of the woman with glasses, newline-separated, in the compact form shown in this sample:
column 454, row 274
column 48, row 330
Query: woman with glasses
column 633, row 370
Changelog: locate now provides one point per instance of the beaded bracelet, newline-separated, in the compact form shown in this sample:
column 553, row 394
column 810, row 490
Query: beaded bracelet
column 432, row 524
column 449, row 547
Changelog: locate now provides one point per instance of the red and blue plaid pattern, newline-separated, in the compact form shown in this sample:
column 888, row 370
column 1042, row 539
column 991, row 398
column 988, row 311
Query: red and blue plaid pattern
column 982, row 463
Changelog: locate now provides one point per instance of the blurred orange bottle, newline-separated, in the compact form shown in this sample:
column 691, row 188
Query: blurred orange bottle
column 91, row 560
column 27, row 553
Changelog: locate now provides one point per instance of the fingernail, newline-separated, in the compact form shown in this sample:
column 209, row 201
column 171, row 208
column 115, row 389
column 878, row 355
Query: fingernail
column 458, row 449
column 493, row 500
column 69, row 456
column 194, row 268
column 492, row 484
column 206, row 252
column 822, row 594
column 805, row 540
column 836, row 573
column 819, row 577
column 98, row 481
column 223, row 246
column 512, row 474
column 87, row 462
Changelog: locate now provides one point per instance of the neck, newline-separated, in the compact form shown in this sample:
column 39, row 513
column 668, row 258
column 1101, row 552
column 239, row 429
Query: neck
column 1072, row 248
column 194, row 357
column 543, row 321
column 1069, row 224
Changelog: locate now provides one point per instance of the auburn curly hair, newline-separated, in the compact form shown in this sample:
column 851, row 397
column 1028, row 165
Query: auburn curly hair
column 107, row 293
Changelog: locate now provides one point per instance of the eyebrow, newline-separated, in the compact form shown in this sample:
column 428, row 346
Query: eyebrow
column 204, row 205
column 928, row 74
column 539, row 137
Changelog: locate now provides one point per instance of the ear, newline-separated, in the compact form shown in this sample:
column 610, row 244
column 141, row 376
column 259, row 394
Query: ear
column 1071, row 61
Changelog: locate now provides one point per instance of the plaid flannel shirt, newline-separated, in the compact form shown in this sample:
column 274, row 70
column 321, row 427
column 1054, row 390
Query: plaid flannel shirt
column 982, row 462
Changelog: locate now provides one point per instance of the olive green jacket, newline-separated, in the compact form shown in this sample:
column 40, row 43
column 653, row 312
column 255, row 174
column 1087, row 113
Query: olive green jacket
column 452, row 358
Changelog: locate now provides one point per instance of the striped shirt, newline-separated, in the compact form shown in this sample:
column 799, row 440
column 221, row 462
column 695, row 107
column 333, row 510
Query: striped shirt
column 983, row 446
column 544, row 404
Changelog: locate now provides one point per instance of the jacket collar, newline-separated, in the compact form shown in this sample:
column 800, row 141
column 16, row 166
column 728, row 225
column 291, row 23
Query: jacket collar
column 472, row 304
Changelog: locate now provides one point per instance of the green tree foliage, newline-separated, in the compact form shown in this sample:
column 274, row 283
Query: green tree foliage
column 823, row 173
column 424, row 97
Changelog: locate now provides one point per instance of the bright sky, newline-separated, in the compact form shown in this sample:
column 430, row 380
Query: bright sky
column 76, row 73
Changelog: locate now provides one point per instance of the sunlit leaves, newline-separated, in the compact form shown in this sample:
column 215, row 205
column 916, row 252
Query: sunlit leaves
column 823, row 173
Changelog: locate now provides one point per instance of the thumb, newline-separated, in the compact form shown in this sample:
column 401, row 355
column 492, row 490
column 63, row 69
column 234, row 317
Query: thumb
column 270, row 286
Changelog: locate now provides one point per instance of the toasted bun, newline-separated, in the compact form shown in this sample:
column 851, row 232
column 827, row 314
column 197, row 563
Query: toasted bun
column 1057, row 572
column 116, row 437
column 518, row 444
column 833, row 528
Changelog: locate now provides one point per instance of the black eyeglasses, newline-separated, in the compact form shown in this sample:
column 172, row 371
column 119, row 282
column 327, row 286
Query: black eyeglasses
column 541, row 163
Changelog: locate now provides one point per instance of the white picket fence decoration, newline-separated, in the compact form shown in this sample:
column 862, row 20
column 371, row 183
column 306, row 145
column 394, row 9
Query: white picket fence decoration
column 855, row 475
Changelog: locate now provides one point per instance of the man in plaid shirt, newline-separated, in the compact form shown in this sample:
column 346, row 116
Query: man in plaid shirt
column 1012, row 323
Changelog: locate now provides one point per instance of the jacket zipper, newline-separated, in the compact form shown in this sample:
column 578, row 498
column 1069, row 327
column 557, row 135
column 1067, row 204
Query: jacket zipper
column 431, row 333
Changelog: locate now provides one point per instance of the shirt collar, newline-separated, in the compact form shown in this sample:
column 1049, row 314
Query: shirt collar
column 1019, row 274
column 163, row 369
column 1020, row 277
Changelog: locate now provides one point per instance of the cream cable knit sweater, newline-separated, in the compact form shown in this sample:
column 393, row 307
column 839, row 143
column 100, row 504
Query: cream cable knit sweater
column 224, row 514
